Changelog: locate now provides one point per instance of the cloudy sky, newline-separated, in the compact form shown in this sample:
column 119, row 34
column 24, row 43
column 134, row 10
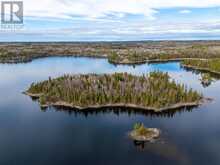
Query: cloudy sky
column 107, row 20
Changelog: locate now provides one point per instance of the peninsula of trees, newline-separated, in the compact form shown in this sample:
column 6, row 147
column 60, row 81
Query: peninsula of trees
column 210, row 65
column 154, row 91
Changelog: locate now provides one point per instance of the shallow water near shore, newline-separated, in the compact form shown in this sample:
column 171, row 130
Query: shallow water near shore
column 30, row 135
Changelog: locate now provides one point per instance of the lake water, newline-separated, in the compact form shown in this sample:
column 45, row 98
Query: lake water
column 31, row 136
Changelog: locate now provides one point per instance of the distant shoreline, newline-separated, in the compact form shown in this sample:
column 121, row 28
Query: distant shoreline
column 126, row 52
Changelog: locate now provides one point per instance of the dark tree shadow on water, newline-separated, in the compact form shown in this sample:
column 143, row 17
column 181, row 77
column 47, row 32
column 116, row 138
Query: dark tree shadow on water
column 214, row 76
column 120, row 111
column 198, row 72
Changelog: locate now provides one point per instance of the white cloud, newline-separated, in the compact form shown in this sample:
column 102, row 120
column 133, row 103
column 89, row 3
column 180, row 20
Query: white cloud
column 86, row 8
column 107, row 18
column 185, row 11
column 102, row 8
column 129, row 29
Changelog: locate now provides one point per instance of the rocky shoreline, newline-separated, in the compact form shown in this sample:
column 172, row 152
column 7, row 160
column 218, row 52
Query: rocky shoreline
column 121, row 105
column 152, row 133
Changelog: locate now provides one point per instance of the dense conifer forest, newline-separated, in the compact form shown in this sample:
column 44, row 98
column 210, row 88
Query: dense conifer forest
column 155, row 90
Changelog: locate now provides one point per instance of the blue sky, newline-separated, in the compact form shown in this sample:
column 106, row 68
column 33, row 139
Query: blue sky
column 117, row 20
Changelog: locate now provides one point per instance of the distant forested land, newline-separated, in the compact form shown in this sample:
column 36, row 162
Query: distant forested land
column 115, row 52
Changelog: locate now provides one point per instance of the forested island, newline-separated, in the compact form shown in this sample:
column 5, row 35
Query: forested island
column 116, row 52
column 155, row 91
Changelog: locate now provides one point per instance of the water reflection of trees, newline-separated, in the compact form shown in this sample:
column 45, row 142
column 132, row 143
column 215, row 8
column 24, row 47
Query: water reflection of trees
column 139, row 145
column 215, row 76
column 120, row 111
column 197, row 72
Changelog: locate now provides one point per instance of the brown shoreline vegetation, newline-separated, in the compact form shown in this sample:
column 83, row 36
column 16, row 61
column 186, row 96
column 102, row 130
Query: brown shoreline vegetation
column 155, row 91
column 116, row 52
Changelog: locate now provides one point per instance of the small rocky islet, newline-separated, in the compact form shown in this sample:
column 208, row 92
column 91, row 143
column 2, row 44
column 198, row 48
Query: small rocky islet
column 206, row 79
column 155, row 91
column 140, row 133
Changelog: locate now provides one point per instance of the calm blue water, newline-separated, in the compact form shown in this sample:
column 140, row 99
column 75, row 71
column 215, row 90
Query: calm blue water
column 29, row 135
